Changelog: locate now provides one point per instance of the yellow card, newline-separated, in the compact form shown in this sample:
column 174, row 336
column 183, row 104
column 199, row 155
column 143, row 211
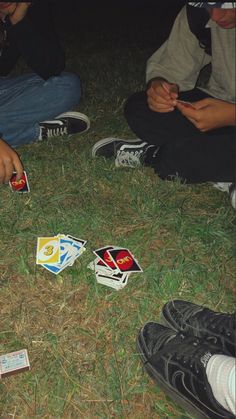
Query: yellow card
column 48, row 250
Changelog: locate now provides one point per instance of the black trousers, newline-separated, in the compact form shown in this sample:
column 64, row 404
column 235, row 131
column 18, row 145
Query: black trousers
column 185, row 151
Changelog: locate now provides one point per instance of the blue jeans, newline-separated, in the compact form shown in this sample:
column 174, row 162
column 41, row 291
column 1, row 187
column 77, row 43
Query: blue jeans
column 27, row 99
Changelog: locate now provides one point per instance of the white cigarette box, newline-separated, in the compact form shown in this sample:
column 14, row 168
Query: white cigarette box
column 13, row 363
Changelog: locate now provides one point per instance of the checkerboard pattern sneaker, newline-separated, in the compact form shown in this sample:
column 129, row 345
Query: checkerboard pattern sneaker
column 65, row 124
column 194, row 320
column 127, row 153
column 178, row 365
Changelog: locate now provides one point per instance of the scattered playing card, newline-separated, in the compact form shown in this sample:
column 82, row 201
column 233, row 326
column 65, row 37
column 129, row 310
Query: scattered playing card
column 186, row 104
column 48, row 250
column 56, row 253
column 21, row 185
column 105, row 257
column 113, row 266
column 117, row 282
column 75, row 239
column 124, row 260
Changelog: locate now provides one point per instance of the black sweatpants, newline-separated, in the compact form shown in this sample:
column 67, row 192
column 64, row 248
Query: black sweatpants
column 185, row 151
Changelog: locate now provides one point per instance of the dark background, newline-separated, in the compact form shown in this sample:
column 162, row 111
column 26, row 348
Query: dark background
column 146, row 22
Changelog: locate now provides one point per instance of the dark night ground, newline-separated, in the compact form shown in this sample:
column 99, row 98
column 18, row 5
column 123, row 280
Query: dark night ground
column 146, row 22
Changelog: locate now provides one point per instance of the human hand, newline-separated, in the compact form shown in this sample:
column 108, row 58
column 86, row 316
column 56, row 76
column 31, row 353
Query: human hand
column 162, row 95
column 19, row 12
column 209, row 113
column 9, row 162
column 6, row 9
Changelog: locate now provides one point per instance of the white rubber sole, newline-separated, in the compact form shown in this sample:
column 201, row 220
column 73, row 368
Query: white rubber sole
column 222, row 186
column 233, row 198
column 76, row 115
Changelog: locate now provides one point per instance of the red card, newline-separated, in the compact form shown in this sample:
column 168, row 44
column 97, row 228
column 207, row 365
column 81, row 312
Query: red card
column 186, row 104
column 124, row 260
column 20, row 185
column 105, row 257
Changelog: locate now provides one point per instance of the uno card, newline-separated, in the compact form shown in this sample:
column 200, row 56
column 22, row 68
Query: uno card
column 78, row 248
column 21, row 185
column 124, row 260
column 67, row 256
column 186, row 104
column 83, row 242
column 58, row 252
column 100, row 263
column 116, row 281
column 116, row 278
column 103, row 280
column 56, row 269
column 109, row 281
column 103, row 254
column 67, row 250
column 48, row 250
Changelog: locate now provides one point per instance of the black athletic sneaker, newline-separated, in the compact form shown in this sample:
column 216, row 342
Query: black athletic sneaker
column 65, row 124
column 195, row 320
column 128, row 153
column 228, row 187
column 232, row 194
column 178, row 364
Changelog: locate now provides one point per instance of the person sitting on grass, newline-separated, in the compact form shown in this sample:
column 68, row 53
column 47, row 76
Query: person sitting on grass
column 197, row 141
column 192, row 358
column 33, row 106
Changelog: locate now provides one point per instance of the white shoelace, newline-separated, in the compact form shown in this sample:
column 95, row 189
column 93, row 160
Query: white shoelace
column 129, row 158
column 53, row 132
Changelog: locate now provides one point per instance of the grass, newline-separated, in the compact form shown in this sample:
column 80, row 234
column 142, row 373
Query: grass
column 81, row 335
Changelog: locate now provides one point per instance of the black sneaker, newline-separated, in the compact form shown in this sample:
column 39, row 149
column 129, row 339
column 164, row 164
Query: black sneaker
column 178, row 364
column 228, row 187
column 65, row 124
column 128, row 153
column 232, row 194
column 195, row 320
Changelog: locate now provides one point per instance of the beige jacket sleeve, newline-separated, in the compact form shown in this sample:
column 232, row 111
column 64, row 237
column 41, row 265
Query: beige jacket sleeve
column 180, row 59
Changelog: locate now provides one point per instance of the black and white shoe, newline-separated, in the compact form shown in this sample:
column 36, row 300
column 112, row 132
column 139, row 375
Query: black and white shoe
column 65, row 124
column 228, row 187
column 178, row 364
column 127, row 153
column 232, row 194
column 194, row 320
